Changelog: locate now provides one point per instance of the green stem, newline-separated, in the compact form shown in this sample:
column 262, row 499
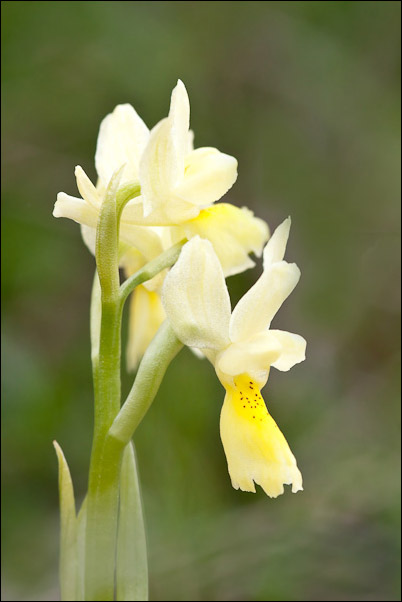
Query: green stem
column 162, row 350
column 95, row 320
column 103, row 487
column 103, row 484
column 151, row 269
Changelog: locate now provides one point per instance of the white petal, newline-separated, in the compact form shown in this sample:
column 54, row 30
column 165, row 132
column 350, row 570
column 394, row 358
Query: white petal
column 174, row 181
column 190, row 142
column 121, row 140
column 255, row 310
column 254, row 357
column 86, row 188
column 159, row 171
column 144, row 239
column 165, row 236
column 179, row 118
column 233, row 232
column 275, row 249
column 293, row 349
column 75, row 209
column 164, row 210
column 196, row 299
column 197, row 352
column 208, row 176
column 89, row 236
column 162, row 163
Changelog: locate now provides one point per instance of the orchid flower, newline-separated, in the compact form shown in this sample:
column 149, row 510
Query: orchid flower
column 242, row 348
column 178, row 187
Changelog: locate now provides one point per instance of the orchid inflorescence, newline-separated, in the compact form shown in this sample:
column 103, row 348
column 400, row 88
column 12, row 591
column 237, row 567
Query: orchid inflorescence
column 152, row 214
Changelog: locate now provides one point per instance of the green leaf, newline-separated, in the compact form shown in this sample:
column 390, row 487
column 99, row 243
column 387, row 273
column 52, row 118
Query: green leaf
column 132, row 566
column 68, row 529
column 80, row 543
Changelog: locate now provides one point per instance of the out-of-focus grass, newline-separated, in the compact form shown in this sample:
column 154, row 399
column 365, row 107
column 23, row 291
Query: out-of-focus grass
column 306, row 96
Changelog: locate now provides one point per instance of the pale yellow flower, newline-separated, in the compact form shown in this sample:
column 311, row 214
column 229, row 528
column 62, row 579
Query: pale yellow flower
column 178, row 186
column 176, row 180
column 242, row 348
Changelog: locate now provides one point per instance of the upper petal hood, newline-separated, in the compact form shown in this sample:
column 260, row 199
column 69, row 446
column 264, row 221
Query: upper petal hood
column 196, row 299
column 175, row 180
column 162, row 164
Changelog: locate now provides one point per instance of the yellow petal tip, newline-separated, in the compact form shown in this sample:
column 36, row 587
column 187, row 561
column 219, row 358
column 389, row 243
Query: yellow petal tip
column 255, row 448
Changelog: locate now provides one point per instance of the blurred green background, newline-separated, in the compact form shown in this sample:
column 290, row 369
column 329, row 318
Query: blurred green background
column 306, row 96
